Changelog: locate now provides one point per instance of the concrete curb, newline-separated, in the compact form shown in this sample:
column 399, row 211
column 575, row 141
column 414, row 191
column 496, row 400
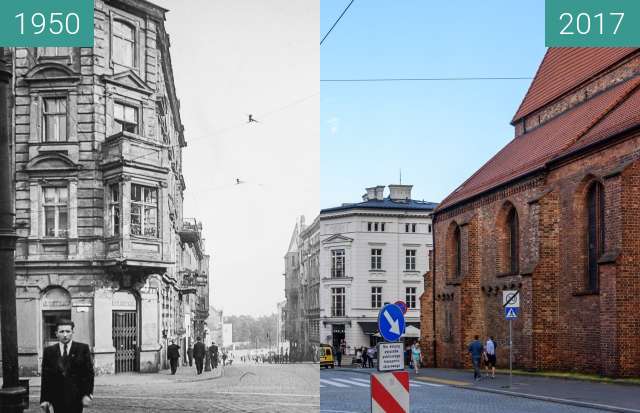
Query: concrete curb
column 521, row 395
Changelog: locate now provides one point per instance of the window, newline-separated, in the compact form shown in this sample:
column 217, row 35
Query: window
column 54, row 120
column 376, row 297
column 337, row 302
column 512, row 241
column 375, row 226
column 56, row 211
column 406, row 227
column 125, row 118
column 376, row 259
column 114, row 209
column 429, row 229
column 411, row 297
column 124, row 44
column 410, row 260
column 55, row 51
column 369, row 226
column 144, row 211
column 337, row 263
column 457, row 242
column 595, row 233
column 382, row 226
column 413, row 227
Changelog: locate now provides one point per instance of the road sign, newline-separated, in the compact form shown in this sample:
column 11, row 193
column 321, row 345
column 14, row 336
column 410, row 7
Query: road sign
column 390, row 392
column 391, row 322
column 510, row 298
column 390, row 356
column 511, row 313
column 402, row 305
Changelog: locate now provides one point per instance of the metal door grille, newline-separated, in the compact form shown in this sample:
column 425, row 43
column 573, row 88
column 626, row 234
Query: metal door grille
column 125, row 340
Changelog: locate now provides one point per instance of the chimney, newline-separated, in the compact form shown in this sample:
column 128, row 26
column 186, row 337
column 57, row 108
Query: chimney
column 370, row 195
column 400, row 193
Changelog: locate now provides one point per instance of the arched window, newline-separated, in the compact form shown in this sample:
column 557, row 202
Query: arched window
column 512, row 241
column 124, row 43
column 457, row 245
column 56, row 305
column 595, row 233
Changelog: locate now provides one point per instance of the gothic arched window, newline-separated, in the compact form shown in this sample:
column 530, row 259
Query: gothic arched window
column 595, row 233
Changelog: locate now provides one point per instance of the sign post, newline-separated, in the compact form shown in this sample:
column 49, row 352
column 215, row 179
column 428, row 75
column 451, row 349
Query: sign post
column 511, row 304
column 390, row 387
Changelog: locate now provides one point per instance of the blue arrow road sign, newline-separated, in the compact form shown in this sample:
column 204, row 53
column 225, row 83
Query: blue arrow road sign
column 511, row 313
column 391, row 322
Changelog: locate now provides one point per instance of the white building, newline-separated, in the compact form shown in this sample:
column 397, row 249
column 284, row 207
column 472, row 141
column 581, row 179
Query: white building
column 227, row 334
column 371, row 253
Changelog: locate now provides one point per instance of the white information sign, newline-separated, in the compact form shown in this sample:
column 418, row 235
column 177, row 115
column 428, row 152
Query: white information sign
column 390, row 356
column 510, row 298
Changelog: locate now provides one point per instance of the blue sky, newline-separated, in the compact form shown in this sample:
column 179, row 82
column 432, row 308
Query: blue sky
column 438, row 133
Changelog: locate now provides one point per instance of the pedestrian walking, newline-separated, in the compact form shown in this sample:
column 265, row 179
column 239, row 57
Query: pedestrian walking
column 490, row 351
column 224, row 359
column 415, row 356
column 476, row 349
column 371, row 355
column 190, row 355
column 199, row 352
column 173, row 354
column 67, row 373
column 214, row 355
column 364, row 357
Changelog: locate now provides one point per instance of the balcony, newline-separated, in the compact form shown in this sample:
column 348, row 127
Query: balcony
column 126, row 151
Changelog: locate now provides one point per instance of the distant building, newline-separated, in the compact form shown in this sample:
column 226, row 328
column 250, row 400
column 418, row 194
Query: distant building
column 215, row 323
column 302, row 286
column 227, row 334
column 371, row 253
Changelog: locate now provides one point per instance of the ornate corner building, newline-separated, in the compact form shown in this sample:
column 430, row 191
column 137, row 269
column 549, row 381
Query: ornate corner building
column 98, row 145
column 554, row 214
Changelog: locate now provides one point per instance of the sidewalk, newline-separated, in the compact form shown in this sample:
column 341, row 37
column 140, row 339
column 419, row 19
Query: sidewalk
column 184, row 374
column 604, row 396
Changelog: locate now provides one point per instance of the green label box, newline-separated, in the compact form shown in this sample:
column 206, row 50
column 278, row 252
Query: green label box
column 592, row 23
column 46, row 23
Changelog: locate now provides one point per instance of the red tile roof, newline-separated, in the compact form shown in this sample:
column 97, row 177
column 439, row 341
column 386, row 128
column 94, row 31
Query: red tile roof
column 609, row 112
column 563, row 69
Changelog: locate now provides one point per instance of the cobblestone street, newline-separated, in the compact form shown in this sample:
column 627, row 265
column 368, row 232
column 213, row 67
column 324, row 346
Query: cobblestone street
column 241, row 388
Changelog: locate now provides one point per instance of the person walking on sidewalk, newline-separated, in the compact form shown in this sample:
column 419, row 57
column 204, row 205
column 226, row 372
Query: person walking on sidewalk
column 190, row 355
column 199, row 351
column 476, row 349
column 371, row 354
column 490, row 351
column 173, row 354
column 67, row 373
column 337, row 350
column 415, row 355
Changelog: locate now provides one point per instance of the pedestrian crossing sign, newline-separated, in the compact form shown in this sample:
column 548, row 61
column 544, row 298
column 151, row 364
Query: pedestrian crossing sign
column 511, row 312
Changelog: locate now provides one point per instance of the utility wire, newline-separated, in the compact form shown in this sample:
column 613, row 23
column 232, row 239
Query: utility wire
column 424, row 79
column 336, row 22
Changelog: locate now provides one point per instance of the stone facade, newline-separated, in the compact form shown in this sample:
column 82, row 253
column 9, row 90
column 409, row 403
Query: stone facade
column 566, row 321
column 98, row 196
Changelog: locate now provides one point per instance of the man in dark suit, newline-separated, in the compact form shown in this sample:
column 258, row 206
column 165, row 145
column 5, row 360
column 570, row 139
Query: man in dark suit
column 199, row 351
column 67, row 373
column 173, row 355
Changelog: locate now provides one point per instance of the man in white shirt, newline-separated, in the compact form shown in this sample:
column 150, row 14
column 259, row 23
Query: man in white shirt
column 490, row 360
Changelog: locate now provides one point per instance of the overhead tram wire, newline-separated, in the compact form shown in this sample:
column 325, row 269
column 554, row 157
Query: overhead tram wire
column 426, row 79
column 336, row 22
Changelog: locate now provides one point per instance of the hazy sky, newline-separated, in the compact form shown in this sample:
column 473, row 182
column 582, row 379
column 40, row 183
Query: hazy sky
column 232, row 58
column 439, row 133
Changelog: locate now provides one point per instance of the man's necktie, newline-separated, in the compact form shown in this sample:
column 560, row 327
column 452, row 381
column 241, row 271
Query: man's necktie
column 65, row 359
column 64, row 353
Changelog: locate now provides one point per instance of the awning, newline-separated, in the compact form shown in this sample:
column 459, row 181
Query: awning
column 368, row 327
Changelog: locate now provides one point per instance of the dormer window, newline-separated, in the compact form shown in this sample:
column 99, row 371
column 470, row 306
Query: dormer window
column 123, row 43
column 55, row 51
column 125, row 118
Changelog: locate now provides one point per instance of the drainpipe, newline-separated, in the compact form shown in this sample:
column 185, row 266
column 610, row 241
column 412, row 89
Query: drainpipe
column 433, row 289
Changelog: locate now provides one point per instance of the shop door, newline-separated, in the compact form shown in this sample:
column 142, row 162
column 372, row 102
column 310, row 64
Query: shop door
column 337, row 330
column 125, row 340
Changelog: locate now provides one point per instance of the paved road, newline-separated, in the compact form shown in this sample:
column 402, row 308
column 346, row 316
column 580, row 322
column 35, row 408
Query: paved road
column 348, row 392
column 242, row 388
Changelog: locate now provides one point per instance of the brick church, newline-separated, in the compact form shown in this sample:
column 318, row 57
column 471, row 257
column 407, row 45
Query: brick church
column 555, row 214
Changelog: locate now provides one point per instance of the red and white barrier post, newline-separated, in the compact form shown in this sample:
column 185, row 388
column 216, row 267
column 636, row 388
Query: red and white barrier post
column 390, row 392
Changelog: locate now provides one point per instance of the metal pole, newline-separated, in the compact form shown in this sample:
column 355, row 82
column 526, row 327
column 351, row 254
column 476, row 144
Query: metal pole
column 510, row 356
column 11, row 394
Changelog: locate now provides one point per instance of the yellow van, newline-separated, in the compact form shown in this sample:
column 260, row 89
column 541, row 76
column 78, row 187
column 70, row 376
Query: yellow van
column 326, row 356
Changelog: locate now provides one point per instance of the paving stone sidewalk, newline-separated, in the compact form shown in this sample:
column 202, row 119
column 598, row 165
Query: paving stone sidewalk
column 604, row 396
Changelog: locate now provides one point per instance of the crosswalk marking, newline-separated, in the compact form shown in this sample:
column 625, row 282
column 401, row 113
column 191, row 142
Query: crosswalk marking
column 356, row 383
column 332, row 383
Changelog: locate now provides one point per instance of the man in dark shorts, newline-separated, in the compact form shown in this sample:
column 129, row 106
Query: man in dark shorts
column 490, row 351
